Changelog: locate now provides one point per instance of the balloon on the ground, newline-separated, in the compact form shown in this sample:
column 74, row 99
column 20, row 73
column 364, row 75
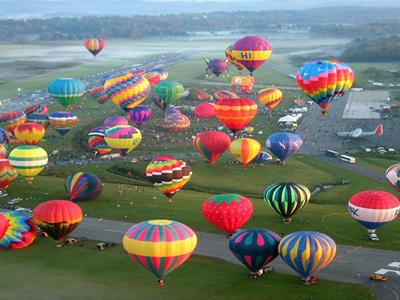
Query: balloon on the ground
column 7, row 173
column 198, row 95
column 244, row 150
column 28, row 161
column 205, row 110
column 325, row 81
column 168, row 174
column 36, row 108
column 270, row 97
column 224, row 94
column 236, row 113
column 160, row 245
column 307, row 252
column 42, row 119
column 96, row 141
column 175, row 122
column 29, row 133
column 62, row 121
column 4, row 139
column 251, row 52
column 10, row 120
column 3, row 151
column 211, row 144
column 123, row 139
column 228, row 212
column 248, row 129
column 283, row 144
column 94, row 45
column 172, row 111
column 255, row 247
column 67, row 91
column 83, row 186
column 216, row 66
column 112, row 121
column 20, row 232
column 287, row 199
column 167, row 92
column 99, row 94
column 3, row 225
column 262, row 157
column 243, row 84
column 140, row 114
column 127, row 90
column 393, row 175
column 373, row 208
column 57, row 218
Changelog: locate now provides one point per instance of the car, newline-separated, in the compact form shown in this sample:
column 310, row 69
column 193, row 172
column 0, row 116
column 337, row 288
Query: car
column 378, row 277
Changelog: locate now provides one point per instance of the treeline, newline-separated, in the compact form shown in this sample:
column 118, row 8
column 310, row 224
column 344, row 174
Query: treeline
column 384, row 49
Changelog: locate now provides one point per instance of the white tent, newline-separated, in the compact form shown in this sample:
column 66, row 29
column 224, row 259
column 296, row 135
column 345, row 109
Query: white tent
column 288, row 119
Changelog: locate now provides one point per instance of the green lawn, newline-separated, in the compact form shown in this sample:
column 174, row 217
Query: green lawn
column 43, row 271
column 379, row 162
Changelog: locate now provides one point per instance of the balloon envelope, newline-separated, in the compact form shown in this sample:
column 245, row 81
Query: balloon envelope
column 67, row 91
column 167, row 92
column 393, row 176
column 10, row 120
column 112, row 121
column 7, row 173
column 20, row 232
column 270, row 97
column 217, row 66
column 236, row 113
column 283, row 144
column 244, row 149
column 29, row 133
column 204, row 110
column 211, row 144
column 62, row 121
column 123, row 138
column 140, row 114
column 95, row 46
column 83, row 186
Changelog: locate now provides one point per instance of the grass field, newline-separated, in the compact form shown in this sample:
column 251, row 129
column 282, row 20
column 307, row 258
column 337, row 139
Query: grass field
column 83, row 272
column 378, row 162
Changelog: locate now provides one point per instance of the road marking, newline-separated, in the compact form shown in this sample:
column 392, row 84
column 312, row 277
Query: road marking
column 385, row 271
column 113, row 230
column 393, row 291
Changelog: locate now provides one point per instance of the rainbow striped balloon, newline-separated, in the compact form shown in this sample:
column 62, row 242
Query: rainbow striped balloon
column 42, row 119
column 224, row 94
column 127, row 90
column 7, row 173
column 10, row 120
column 62, row 121
column 36, row 108
column 160, row 245
column 97, row 142
column 83, row 186
column 99, row 94
column 270, row 97
column 123, row 138
column 21, row 231
column 175, row 122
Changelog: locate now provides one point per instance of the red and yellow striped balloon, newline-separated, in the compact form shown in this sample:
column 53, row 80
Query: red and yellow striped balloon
column 243, row 84
column 245, row 149
column 29, row 133
column 270, row 97
column 7, row 173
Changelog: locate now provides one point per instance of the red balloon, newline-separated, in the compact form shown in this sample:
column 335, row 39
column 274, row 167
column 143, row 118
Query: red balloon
column 211, row 144
column 236, row 113
column 204, row 110
column 3, row 225
column 227, row 211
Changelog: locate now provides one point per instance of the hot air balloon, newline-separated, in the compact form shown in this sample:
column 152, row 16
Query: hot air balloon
column 325, row 81
column 211, row 144
column 3, row 151
column 393, row 176
column 233, row 60
column 255, row 248
column 127, row 90
column 36, row 108
column 172, row 111
column 42, row 119
column 161, row 72
column 307, row 252
column 20, row 232
column 28, row 161
column 62, row 121
column 168, row 174
column 123, row 139
column 248, row 129
column 57, row 218
column 198, row 95
column 216, row 67
column 112, row 121
column 225, row 94
column 29, row 133
column 236, row 113
column 160, row 245
column 67, row 91
column 175, row 122
column 99, row 94
column 96, row 141
column 228, row 212
column 140, row 114
column 94, row 46
column 243, row 84
column 270, row 97
column 3, row 225
column 283, row 145
column 167, row 92
column 244, row 150
column 10, row 120
column 4, row 139
column 204, row 110
column 373, row 209
column 7, row 173
column 251, row 52
column 83, row 186
column 152, row 77
column 287, row 199
column 262, row 157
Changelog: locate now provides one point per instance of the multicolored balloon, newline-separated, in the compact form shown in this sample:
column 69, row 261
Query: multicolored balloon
column 236, row 113
column 255, row 248
column 307, row 252
column 99, row 94
column 168, row 174
column 62, row 121
column 36, row 108
column 167, row 92
column 243, row 84
column 160, row 245
column 10, row 120
column 112, row 121
column 287, row 199
column 224, row 94
column 325, row 81
column 251, row 52
column 244, row 150
column 3, row 225
column 28, row 161
column 29, row 133
column 57, row 218
column 373, row 209
column 95, row 46
column 228, row 212
column 216, row 67
column 96, row 141
column 7, row 173
column 42, row 119
column 127, row 90
column 205, row 110
column 152, row 77
column 67, row 91
column 270, row 97
column 140, row 114
column 393, row 175
column 3, row 151
column 161, row 72
column 123, row 139
column 211, row 144
column 283, row 145
column 83, row 186
column 20, row 233
column 175, row 122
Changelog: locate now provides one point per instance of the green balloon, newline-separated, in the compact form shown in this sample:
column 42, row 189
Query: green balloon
column 167, row 92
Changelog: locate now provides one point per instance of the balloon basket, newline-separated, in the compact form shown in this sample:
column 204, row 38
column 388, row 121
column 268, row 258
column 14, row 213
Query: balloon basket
column 160, row 282
column 169, row 200
column 287, row 220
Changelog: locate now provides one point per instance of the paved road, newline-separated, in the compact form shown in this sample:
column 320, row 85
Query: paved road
column 352, row 264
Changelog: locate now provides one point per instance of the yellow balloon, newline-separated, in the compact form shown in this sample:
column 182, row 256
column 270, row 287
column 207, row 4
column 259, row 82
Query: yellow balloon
column 245, row 149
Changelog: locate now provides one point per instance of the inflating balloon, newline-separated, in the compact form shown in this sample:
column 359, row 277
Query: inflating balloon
column 10, row 120
column 205, row 110
column 216, row 67
column 96, row 141
column 175, row 122
column 393, row 176
column 83, row 186
column 20, row 232
column 42, row 119
column 36, row 108
column 99, row 94
column 225, row 94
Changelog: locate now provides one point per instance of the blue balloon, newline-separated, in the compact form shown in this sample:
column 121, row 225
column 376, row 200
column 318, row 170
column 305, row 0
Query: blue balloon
column 283, row 144
column 262, row 157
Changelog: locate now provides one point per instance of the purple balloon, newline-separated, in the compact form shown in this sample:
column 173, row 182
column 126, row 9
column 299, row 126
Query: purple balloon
column 140, row 114
column 112, row 121
column 217, row 66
